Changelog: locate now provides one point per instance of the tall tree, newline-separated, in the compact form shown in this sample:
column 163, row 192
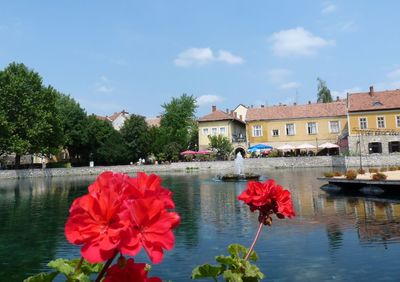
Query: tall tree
column 135, row 132
column 222, row 145
column 29, row 111
column 324, row 94
column 74, row 126
column 177, row 120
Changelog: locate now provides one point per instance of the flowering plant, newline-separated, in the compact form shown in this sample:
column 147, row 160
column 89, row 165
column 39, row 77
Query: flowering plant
column 267, row 198
column 119, row 215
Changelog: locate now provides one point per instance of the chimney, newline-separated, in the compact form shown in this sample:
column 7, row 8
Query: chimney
column 235, row 114
column 309, row 102
column 262, row 106
column 213, row 108
column 231, row 112
column 241, row 117
column 371, row 90
column 337, row 99
column 280, row 104
column 294, row 103
column 251, row 106
column 227, row 111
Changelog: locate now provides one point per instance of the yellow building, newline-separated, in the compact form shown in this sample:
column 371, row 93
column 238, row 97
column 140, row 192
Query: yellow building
column 228, row 124
column 313, row 123
column 374, row 122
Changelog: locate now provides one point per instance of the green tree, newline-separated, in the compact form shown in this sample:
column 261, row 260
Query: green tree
column 222, row 145
column 177, row 120
column 74, row 126
column 135, row 132
column 29, row 113
column 106, row 145
column 324, row 94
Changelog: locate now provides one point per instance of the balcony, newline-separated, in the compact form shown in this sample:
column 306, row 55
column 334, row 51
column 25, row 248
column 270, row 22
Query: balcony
column 238, row 139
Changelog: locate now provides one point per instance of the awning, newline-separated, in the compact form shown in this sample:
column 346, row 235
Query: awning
column 305, row 146
column 328, row 145
column 286, row 147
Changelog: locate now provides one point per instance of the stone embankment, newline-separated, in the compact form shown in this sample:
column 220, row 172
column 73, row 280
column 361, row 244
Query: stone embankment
column 215, row 167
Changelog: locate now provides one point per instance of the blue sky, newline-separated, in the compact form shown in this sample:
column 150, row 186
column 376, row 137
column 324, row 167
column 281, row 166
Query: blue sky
column 114, row 55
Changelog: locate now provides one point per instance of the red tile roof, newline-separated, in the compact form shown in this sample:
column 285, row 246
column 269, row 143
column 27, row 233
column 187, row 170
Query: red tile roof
column 377, row 100
column 219, row 115
column 314, row 110
column 153, row 121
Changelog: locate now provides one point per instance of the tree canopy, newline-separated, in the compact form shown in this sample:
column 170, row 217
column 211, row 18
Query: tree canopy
column 28, row 113
column 135, row 132
column 222, row 145
column 324, row 94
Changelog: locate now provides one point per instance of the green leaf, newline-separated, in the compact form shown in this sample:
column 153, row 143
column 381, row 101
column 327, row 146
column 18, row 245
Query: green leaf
column 62, row 265
column 206, row 270
column 237, row 250
column 81, row 277
column 231, row 276
column 42, row 277
column 225, row 260
column 252, row 271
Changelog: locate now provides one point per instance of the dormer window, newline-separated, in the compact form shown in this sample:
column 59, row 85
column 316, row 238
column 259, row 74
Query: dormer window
column 377, row 103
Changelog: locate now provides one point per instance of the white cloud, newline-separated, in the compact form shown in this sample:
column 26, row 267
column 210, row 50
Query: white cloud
column 208, row 99
column 202, row 56
column 104, row 85
column 290, row 85
column 349, row 26
column 343, row 94
column 328, row 8
column 297, row 42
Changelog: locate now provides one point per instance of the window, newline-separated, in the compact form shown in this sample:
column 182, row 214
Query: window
column 257, row 130
column 394, row 146
column 381, row 122
column 363, row 123
column 214, row 131
column 205, row 131
column 290, row 129
column 222, row 131
column 334, row 126
column 397, row 121
column 375, row 147
column 312, row 128
column 275, row 132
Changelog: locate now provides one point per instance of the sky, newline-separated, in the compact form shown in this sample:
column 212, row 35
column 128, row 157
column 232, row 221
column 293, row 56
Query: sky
column 137, row 55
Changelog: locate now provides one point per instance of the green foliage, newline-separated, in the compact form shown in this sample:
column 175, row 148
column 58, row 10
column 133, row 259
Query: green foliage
column 135, row 132
column 324, row 94
column 233, row 268
column 74, row 126
column 69, row 269
column 28, row 113
column 222, row 145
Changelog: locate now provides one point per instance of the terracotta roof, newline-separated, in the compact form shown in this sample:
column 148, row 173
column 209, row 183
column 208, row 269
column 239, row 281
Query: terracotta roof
column 378, row 100
column 219, row 115
column 153, row 121
column 101, row 117
column 314, row 110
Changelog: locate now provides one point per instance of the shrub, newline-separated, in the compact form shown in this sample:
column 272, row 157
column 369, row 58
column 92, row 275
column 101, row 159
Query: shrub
column 59, row 165
column 379, row 176
column 393, row 168
column 383, row 169
column 373, row 170
column 351, row 174
column 337, row 173
column 328, row 174
column 361, row 171
column 273, row 154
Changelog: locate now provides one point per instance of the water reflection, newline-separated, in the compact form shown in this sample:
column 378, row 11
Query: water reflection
column 331, row 238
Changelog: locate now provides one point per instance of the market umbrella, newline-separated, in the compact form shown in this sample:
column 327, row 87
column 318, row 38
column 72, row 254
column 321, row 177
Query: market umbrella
column 286, row 147
column 188, row 152
column 328, row 145
column 305, row 146
column 203, row 152
column 260, row 147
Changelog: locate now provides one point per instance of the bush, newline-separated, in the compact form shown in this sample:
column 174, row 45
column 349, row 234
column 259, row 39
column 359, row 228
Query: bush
column 273, row 154
column 337, row 173
column 393, row 168
column 328, row 174
column 351, row 174
column 383, row 169
column 373, row 170
column 379, row 176
column 361, row 171
column 59, row 165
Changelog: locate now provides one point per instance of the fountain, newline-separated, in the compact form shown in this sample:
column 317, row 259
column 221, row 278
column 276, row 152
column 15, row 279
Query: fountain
column 240, row 174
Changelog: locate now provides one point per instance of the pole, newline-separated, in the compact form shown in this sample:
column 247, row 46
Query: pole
column 359, row 143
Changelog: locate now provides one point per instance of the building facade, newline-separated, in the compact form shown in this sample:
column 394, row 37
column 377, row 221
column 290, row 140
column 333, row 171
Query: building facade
column 374, row 122
column 313, row 123
column 227, row 124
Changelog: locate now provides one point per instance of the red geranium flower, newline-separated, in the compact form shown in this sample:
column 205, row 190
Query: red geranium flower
column 129, row 272
column 268, row 197
column 151, row 228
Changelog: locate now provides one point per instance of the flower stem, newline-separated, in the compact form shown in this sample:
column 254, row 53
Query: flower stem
column 105, row 267
column 254, row 241
column 79, row 265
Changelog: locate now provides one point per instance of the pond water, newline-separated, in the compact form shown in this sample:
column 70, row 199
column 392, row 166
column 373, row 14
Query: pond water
column 332, row 238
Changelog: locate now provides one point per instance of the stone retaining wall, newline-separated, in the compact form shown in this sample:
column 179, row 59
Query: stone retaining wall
column 215, row 167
